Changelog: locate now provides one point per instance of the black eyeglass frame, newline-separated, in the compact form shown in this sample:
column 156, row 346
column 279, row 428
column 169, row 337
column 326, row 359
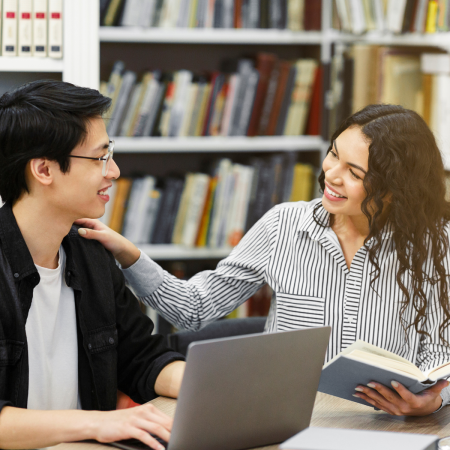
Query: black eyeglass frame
column 106, row 159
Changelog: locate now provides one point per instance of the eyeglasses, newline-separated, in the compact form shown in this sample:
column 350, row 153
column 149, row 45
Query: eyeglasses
column 106, row 159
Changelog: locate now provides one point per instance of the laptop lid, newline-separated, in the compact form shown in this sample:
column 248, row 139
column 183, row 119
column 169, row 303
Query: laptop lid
column 248, row 391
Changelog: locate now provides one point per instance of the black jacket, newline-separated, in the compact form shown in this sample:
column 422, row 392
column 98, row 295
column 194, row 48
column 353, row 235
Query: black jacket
column 116, row 348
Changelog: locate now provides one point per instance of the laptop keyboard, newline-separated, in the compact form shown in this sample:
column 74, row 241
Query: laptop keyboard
column 134, row 444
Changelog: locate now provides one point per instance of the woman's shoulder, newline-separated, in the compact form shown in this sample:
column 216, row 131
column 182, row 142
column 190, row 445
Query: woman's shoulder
column 293, row 212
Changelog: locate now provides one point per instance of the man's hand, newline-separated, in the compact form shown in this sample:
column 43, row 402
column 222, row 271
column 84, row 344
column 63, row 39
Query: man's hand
column 402, row 402
column 123, row 250
column 27, row 429
column 133, row 423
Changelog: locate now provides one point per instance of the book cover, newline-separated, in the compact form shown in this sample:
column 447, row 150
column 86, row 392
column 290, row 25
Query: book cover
column 195, row 209
column 285, row 69
column 112, row 13
column 286, row 102
column 25, row 33
column 247, row 105
column 9, row 28
column 265, row 63
column 119, row 206
column 151, row 210
column 55, row 29
column 313, row 16
column 295, row 14
column 315, row 111
column 183, row 209
column 361, row 363
column 206, row 215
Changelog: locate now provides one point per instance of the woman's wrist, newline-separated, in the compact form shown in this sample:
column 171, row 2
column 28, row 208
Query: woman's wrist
column 127, row 255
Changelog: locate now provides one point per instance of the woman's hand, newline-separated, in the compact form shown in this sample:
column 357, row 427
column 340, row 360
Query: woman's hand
column 402, row 402
column 123, row 250
column 133, row 423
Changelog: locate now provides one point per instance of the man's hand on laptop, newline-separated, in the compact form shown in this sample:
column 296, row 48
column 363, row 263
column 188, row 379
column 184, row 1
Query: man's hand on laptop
column 123, row 250
column 133, row 423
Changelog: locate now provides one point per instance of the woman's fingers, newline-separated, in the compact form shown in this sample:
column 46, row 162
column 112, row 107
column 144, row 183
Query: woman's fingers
column 145, row 437
column 90, row 223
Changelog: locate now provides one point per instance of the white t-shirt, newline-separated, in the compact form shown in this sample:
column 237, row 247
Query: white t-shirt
column 51, row 330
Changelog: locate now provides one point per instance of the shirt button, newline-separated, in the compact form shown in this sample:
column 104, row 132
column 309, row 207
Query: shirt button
column 89, row 346
column 16, row 275
column 111, row 340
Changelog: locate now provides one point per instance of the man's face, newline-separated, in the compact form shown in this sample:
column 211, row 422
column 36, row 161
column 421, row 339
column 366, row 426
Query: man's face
column 82, row 191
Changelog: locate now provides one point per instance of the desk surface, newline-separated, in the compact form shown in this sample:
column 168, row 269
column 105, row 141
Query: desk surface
column 333, row 412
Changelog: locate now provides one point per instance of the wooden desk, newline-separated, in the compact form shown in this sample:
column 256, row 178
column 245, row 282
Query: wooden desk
column 333, row 412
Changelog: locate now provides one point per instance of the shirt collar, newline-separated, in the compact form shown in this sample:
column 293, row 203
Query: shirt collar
column 319, row 225
column 16, row 250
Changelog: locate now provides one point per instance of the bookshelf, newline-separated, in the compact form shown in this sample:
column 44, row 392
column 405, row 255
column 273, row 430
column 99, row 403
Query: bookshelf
column 151, row 43
column 80, row 63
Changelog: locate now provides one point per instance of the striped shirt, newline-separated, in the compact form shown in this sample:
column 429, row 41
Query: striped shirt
column 304, row 264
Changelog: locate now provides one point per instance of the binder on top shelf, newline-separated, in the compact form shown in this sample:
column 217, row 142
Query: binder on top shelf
column 55, row 31
column 25, row 35
column 9, row 15
column 40, row 28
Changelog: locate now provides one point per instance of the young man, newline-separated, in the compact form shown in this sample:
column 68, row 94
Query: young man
column 71, row 333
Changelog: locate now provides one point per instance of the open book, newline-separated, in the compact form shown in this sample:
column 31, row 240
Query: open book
column 361, row 363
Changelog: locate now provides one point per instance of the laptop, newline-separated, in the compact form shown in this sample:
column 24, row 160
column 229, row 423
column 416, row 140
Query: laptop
column 246, row 391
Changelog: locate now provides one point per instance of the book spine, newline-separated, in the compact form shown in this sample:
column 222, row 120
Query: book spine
column 9, row 47
column 55, row 29
column 25, row 38
column 40, row 28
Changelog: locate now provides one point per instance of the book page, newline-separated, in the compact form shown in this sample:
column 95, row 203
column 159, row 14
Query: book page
column 373, row 349
column 386, row 363
column 439, row 372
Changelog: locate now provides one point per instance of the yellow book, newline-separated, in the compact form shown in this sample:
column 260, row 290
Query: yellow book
column 203, row 108
column 118, row 211
column 111, row 14
column 432, row 16
column 204, row 224
column 193, row 14
column 302, row 183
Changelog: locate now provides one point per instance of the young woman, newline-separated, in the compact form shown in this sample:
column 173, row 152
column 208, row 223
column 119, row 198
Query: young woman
column 371, row 258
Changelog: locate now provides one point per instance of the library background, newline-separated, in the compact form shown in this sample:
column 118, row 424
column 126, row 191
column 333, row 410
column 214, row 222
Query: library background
column 224, row 108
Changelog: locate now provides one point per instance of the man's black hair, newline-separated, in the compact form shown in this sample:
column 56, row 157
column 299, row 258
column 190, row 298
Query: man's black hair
column 42, row 119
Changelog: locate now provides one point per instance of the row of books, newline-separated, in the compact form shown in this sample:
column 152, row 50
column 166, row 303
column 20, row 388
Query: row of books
column 409, row 77
column 295, row 15
column 396, row 16
column 206, row 210
column 31, row 28
column 262, row 97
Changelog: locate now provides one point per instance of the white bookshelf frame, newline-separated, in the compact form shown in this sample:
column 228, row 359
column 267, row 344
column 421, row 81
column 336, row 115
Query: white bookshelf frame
column 209, row 36
column 169, row 252
column 216, row 144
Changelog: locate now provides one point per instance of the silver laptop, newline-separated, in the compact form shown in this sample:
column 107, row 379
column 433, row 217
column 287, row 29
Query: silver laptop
column 247, row 391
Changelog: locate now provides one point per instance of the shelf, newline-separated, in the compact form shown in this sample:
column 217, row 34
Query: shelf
column 441, row 40
column 209, row 36
column 24, row 64
column 171, row 252
column 216, row 144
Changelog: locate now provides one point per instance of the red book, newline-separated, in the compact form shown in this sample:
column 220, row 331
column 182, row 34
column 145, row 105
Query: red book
column 312, row 16
column 315, row 110
column 265, row 63
column 212, row 96
column 285, row 67
column 237, row 13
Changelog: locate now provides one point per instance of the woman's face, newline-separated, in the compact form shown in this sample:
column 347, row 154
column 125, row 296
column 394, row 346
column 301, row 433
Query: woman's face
column 345, row 168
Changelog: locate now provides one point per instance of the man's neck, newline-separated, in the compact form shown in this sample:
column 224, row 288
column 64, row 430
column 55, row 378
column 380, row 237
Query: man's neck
column 43, row 230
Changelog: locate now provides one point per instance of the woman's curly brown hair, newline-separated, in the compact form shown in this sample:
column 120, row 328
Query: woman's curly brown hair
column 406, row 176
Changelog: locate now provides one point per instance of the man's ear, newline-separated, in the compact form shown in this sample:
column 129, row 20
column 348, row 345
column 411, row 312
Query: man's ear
column 41, row 171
